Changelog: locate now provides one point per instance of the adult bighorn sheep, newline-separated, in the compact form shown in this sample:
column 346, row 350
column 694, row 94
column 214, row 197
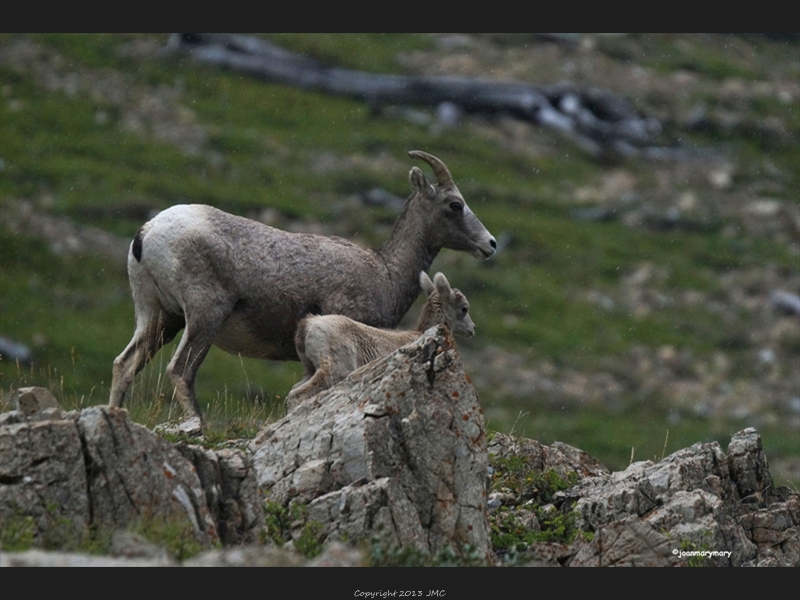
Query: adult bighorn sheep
column 330, row 347
column 242, row 286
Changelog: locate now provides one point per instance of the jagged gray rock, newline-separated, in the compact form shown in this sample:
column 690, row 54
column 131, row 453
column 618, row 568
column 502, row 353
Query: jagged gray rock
column 30, row 400
column 42, row 476
column 397, row 451
column 399, row 447
column 696, row 506
column 133, row 473
column 560, row 457
column 95, row 468
column 747, row 465
column 228, row 478
column 629, row 542
column 697, row 495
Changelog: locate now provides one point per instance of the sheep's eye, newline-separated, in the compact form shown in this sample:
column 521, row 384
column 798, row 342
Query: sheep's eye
column 456, row 206
column 464, row 310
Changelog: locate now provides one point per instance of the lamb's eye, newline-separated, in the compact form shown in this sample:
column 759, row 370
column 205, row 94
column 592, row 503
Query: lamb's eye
column 464, row 310
column 456, row 206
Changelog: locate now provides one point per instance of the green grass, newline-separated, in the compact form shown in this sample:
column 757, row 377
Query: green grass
column 72, row 155
column 712, row 56
column 643, row 430
column 374, row 52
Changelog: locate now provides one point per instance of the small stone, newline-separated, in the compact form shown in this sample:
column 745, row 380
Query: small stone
column 30, row 400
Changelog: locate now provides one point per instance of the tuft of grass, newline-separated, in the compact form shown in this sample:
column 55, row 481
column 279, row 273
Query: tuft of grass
column 20, row 532
column 511, row 534
column 17, row 532
column 687, row 545
column 514, row 474
column 290, row 524
column 511, row 538
column 177, row 537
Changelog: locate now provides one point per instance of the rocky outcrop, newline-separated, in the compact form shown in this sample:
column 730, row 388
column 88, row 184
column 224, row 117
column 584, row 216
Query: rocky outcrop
column 42, row 473
column 399, row 448
column 132, row 472
column 396, row 456
column 228, row 478
column 697, row 506
column 96, row 469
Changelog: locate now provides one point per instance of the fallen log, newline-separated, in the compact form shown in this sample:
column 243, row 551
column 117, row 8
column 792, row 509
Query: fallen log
column 600, row 121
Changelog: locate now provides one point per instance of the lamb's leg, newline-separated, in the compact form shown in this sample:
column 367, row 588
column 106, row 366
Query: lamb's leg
column 154, row 328
column 308, row 370
column 302, row 391
column 300, row 347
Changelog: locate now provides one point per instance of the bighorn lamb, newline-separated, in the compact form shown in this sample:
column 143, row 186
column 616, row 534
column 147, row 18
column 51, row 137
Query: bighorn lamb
column 242, row 285
column 332, row 346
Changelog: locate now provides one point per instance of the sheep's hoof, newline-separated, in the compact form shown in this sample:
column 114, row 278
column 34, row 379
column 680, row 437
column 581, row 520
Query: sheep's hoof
column 192, row 427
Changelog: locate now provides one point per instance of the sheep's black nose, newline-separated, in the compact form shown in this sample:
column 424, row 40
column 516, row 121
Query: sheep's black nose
column 493, row 243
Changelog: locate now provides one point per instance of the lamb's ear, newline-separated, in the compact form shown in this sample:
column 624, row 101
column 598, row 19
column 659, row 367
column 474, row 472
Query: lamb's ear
column 442, row 285
column 420, row 184
column 426, row 283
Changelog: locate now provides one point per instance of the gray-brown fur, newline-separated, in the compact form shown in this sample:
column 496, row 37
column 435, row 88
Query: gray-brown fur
column 242, row 285
column 332, row 346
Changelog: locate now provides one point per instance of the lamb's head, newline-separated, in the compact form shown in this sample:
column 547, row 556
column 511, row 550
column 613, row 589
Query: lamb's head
column 453, row 225
column 446, row 305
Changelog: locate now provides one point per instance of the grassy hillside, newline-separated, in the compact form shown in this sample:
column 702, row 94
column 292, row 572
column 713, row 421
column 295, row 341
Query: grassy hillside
column 628, row 336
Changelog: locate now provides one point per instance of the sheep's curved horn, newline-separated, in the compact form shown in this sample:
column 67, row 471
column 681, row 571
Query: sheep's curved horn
column 439, row 168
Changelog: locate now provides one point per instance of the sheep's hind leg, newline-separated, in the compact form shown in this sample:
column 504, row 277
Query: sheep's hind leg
column 151, row 333
column 192, row 350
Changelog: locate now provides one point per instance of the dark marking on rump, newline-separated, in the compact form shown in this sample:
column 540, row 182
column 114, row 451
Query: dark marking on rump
column 137, row 245
column 310, row 309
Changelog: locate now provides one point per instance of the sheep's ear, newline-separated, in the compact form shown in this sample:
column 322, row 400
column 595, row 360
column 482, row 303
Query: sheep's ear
column 426, row 283
column 420, row 184
column 442, row 285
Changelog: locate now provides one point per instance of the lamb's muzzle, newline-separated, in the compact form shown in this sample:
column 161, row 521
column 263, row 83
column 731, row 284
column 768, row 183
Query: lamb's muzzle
column 241, row 285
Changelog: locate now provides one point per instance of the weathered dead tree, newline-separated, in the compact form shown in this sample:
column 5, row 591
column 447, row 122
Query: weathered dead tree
column 601, row 122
